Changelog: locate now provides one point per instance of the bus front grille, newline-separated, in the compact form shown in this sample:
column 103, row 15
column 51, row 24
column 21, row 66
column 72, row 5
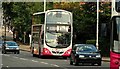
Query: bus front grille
column 56, row 52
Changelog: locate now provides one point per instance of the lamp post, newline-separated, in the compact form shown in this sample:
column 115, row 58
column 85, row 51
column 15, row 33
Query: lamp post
column 44, row 5
column 4, row 22
column 97, row 31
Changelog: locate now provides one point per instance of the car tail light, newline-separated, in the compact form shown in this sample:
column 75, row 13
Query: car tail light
column 67, row 53
column 46, row 52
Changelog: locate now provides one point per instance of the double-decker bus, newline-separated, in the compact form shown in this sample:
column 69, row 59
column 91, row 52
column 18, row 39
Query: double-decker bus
column 55, row 34
column 115, row 36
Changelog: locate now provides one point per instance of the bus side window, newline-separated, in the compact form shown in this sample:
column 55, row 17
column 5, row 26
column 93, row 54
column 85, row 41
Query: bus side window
column 42, row 38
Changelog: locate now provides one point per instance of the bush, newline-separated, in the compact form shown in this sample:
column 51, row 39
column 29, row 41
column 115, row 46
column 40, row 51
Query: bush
column 104, row 47
column 91, row 42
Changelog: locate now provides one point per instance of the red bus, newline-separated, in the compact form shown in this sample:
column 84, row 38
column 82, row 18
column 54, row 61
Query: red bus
column 115, row 36
column 55, row 35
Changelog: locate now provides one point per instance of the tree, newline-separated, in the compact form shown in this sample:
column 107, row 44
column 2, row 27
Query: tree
column 7, row 13
column 84, row 19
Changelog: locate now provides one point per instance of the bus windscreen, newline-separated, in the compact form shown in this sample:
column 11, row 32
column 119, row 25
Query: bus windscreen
column 116, row 35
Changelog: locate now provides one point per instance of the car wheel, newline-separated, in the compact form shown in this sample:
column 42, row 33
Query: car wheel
column 71, row 63
column 76, row 63
column 34, row 55
column 3, row 52
column 14, row 52
column 18, row 52
column 99, row 64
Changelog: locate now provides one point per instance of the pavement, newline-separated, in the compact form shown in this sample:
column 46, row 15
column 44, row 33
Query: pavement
column 24, row 47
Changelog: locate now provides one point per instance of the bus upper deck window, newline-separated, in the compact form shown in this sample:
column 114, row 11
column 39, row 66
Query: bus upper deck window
column 117, row 5
column 58, row 14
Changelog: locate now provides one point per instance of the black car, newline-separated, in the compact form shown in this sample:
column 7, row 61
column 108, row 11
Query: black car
column 10, row 46
column 85, row 53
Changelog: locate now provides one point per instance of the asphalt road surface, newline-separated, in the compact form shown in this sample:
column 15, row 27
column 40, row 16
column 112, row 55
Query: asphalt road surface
column 25, row 60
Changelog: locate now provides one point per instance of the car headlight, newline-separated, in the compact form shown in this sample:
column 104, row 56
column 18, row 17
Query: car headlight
column 7, row 48
column 17, row 48
column 98, row 56
column 81, row 56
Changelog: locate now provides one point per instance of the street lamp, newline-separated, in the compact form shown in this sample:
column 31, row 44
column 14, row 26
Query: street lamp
column 97, row 31
column 44, row 5
column 4, row 22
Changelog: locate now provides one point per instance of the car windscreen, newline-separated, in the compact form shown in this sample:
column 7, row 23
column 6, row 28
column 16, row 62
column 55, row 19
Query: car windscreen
column 11, row 44
column 1, row 42
column 86, row 48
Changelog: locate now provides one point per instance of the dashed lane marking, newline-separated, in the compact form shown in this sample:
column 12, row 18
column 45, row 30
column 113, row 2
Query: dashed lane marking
column 7, row 66
column 65, row 60
column 34, row 61
column 55, row 65
column 6, row 55
column 23, row 59
column 15, row 57
column 44, row 62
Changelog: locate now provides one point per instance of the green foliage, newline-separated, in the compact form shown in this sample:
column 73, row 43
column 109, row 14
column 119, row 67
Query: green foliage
column 91, row 42
column 84, row 16
column 104, row 47
column 21, row 15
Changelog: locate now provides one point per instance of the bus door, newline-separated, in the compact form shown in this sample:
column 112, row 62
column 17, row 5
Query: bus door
column 35, row 39
column 41, row 40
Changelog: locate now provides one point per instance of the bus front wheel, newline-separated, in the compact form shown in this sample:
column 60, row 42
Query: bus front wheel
column 34, row 55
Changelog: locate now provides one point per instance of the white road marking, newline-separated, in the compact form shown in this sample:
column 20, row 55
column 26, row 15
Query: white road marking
column 65, row 60
column 7, row 66
column 34, row 61
column 23, row 59
column 15, row 57
column 6, row 55
column 44, row 62
column 55, row 65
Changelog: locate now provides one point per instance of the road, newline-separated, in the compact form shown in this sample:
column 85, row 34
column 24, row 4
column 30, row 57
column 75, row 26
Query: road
column 25, row 60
